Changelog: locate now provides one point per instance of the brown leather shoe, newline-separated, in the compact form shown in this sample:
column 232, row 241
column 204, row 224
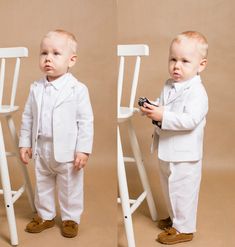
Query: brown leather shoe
column 38, row 225
column 171, row 236
column 69, row 229
column 165, row 223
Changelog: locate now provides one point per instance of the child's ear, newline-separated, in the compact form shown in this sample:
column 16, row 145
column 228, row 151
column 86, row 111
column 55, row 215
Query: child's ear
column 203, row 64
column 72, row 61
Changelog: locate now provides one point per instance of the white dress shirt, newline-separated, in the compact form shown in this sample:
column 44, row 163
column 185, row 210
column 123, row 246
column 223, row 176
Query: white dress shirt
column 179, row 85
column 50, row 93
column 176, row 87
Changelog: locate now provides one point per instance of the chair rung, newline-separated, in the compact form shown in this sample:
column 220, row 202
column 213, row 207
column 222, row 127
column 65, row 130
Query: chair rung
column 131, row 201
column 129, row 159
column 10, row 154
column 18, row 193
column 15, row 193
column 138, row 201
column 135, row 202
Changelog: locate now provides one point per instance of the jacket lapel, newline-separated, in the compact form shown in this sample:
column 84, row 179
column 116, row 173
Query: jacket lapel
column 176, row 95
column 196, row 79
column 65, row 92
column 38, row 92
column 165, row 94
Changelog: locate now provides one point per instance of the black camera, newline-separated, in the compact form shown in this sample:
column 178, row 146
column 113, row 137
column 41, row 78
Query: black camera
column 141, row 102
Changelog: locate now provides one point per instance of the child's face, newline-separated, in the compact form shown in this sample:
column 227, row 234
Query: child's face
column 56, row 56
column 185, row 60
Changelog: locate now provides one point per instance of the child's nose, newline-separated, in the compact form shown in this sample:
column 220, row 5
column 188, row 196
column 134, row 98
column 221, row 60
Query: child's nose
column 48, row 57
column 177, row 64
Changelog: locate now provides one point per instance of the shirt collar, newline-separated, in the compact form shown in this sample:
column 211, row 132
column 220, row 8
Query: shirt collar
column 58, row 83
column 179, row 85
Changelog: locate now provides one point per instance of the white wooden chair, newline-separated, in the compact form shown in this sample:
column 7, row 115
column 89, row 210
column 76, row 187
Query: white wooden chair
column 6, row 112
column 125, row 114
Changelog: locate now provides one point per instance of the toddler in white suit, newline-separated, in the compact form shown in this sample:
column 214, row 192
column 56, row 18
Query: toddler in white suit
column 57, row 130
column 178, row 135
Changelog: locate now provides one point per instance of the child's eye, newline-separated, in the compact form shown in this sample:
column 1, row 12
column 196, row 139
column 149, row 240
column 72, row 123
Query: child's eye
column 173, row 59
column 43, row 53
column 185, row 61
column 56, row 53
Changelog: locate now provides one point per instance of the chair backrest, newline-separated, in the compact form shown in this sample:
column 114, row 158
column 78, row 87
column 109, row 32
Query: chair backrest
column 11, row 53
column 124, row 51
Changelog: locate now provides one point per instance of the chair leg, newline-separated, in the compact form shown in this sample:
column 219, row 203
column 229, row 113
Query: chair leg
column 28, row 185
column 142, row 173
column 124, row 195
column 7, row 191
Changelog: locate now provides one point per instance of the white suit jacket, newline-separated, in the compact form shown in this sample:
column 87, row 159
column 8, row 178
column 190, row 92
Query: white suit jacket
column 72, row 120
column 180, row 137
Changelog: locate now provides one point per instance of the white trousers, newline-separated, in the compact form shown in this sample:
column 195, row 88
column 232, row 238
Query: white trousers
column 181, row 184
column 51, row 175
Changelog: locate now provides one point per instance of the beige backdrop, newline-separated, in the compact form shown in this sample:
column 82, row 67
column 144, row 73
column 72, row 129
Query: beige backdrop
column 23, row 23
column 156, row 22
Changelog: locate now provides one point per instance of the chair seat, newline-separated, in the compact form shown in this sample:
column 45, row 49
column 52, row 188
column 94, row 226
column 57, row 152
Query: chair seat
column 126, row 113
column 5, row 109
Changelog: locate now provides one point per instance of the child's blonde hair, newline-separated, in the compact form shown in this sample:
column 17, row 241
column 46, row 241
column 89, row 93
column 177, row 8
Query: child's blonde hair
column 202, row 43
column 71, row 38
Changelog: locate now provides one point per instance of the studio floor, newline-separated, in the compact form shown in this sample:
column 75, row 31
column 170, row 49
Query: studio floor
column 100, row 227
column 98, row 223
column 216, row 218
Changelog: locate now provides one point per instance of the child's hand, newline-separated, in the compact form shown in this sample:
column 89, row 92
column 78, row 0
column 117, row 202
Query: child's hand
column 80, row 160
column 25, row 155
column 153, row 112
